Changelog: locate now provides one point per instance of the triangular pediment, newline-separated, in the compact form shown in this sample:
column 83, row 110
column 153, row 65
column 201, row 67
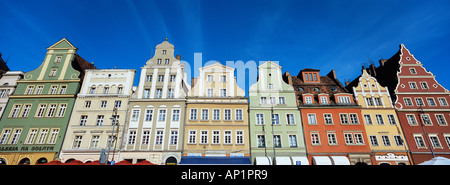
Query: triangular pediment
column 62, row 44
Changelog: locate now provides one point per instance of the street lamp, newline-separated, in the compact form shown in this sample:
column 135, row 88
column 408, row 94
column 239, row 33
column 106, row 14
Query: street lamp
column 114, row 123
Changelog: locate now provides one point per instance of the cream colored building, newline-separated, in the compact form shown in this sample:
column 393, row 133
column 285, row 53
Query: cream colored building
column 93, row 118
column 156, row 116
column 217, row 118
column 386, row 139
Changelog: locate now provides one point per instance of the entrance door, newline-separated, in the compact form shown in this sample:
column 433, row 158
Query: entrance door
column 171, row 161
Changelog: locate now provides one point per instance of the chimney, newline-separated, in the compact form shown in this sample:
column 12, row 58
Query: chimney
column 178, row 57
column 287, row 78
column 382, row 61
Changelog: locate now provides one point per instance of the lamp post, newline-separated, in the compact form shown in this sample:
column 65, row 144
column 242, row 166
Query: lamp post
column 114, row 123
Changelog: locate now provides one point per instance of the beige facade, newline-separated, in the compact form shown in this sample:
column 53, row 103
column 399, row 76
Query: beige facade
column 93, row 118
column 386, row 139
column 216, row 120
column 157, row 109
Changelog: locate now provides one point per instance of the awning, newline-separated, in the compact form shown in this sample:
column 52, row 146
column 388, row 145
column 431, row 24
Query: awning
column 263, row 161
column 215, row 161
column 300, row 160
column 283, row 161
column 322, row 160
column 340, row 160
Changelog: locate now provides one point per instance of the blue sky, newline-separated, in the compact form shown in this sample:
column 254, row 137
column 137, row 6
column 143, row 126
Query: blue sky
column 341, row 35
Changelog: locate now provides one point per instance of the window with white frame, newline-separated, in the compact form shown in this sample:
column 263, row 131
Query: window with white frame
column 344, row 99
column 323, row 100
column 77, row 141
column 277, row 141
column 412, row 85
column 292, row 141
column 419, row 141
column 159, row 137
column 175, row 115
column 53, row 89
column 315, row 140
column 132, row 137
column 173, row 137
column 205, row 114
column 369, row 101
column 435, row 141
column 223, row 92
column 308, row 100
column 354, row 118
column 391, row 119
column 15, row 111
column 227, row 137
column 359, row 139
column 332, row 139
column 16, row 136
column 216, row 137
column 83, row 120
column 160, row 78
column 145, row 140
column 441, row 119
column 239, row 137
column 223, row 78
column 100, row 119
column 386, row 141
column 210, row 78
column 170, row 93
column 263, row 100
column 29, row 90
column 103, row 104
column 275, row 119
column 373, row 140
column 411, row 119
column 204, row 137
column 273, row 100
column 193, row 114
column 210, row 92
column 31, row 136
column 408, row 101
column 238, row 115
column 442, row 102
column 135, row 115
column 398, row 140
column 227, row 115
column 348, row 138
column 216, row 114
column 431, row 102
column 379, row 119
column 281, row 100
column 162, row 115
column 5, row 136
column 424, row 85
column 172, row 78
column 344, row 118
column 368, row 119
column 260, row 119
column 312, row 119
column 148, row 115
column 328, row 119
column 290, row 119
column 426, row 119
column 158, row 93
column 419, row 101
column 378, row 101
column 41, row 110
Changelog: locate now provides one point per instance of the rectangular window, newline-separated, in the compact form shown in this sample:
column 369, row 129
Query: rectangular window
column 117, row 103
column 162, row 115
column 205, row 114
column 94, row 141
column 408, row 101
column 39, row 90
column 193, row 114
column 61, row 110
column 148, row 78
column 441, row 119
column 63, row 89
column 281, row 100
column 216, row 137
column 442, row 101
column 160, row 78
column 26, row 110
column 83, row 120
column 261, row 141
column 426, row 119
column 77, row 141
column 158, row 93
column 348, row 138
column 260, row 119
column 51, row 110
column 15, row 111
column 135, row 115
column 378, row 102
column 273, row 100
column 238, row 115
column 359, row 139
column 100, row 119
column 174, row 137
column 159, row 137
column 210, row 78
column 148, row 115
column 419, row 101
column 332, row 139
column 424, row 85
column 391, row 119
column 292, row 141
column 204, row 137
column 435, row 141
column 223, row 78
column 275, row 119
column 53, row 89
column 103, row 104
column 312, row 119
column 431, row 102
column 227, row 137
column 16, row 136
column 290, row 119
column 172, row 78
column 419, row 141
column 166, row 61
column 41, row 110
column 315, row 139
column 170, row 93
column 369, row 101
column 373, row 140
column 31, row 136
column 412, row 85
column 92, row 90
column 145, row 137
column 159, row 61
column 411, row 119
column 354, row 118
column 263, row 100
column 53, row 72
column 5, row 136
column 87, row 104
column 239, row 137
column 227, row 115
column 277, row 141
column 308, row 100
column 379, row 119
column 223, row 92
column 398, row 140
column 210, row 93
column 323, row 100
column 328, row 119
column 386, row 141
column 132, row 137
column 192, row 137
column 216, row 114
column 344, row 118
column 29, row 90
column 175, row 115
column 368, row 119
column 146, row 93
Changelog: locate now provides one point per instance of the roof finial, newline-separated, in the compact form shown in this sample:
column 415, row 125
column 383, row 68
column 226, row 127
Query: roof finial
column 167, row 38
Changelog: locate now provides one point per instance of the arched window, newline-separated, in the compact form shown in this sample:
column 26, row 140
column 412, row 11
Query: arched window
column 24, row 161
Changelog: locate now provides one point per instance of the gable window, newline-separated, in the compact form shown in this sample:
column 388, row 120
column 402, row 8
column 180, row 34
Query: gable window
column 53, row 72
column 412, row 71
column 62, row 90
column 412, row 85
column 30, row 90
column 424, row 85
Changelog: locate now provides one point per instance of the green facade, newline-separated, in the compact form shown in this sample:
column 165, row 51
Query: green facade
column 283, row 103
column 38, row 112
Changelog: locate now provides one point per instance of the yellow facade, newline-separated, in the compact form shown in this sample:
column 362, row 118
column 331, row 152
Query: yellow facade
column 382, row 126
column 216, row 115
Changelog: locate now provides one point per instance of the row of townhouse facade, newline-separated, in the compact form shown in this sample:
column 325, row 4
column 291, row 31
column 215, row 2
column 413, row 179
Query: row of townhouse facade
column 67, row 109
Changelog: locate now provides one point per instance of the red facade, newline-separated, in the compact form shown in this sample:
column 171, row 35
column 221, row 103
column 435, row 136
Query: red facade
column 422, row 104
column 332, row 121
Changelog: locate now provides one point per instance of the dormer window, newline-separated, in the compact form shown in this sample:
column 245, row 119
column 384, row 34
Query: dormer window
column 316, row 89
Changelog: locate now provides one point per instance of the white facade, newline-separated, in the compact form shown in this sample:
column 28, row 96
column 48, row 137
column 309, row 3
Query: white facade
column 8, row 84
column 91, row 125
